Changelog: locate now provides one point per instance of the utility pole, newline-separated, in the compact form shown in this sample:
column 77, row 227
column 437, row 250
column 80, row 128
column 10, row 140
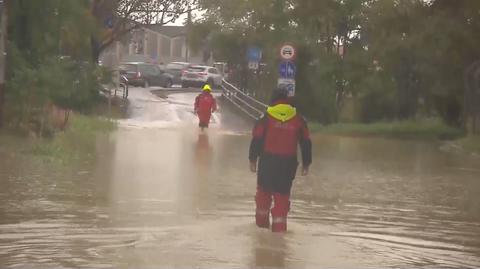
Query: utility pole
column 3, row 54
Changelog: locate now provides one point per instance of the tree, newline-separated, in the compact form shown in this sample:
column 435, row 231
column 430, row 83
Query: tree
column 119, row 17
column 396, row 58
column 42, row 29
column 48, row 52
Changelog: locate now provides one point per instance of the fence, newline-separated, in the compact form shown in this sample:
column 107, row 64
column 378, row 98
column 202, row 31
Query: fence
column 249, row 105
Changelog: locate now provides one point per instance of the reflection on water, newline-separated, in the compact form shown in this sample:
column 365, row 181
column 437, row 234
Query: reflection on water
column 270, row 250
column 177, row 198
column 203, row 152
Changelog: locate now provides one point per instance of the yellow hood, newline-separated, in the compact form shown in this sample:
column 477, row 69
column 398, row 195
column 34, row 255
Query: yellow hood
column 282, row 112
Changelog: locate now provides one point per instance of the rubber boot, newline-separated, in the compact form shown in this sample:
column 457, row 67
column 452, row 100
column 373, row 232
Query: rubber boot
column 279, row 224
column 262, row 219
column 280, row 212
column 263, row 202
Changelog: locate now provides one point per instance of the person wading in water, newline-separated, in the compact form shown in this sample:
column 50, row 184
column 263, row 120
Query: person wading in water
column 274, row 149
column 205, row 105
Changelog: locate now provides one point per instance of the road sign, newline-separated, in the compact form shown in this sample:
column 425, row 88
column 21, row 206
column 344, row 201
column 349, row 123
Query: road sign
column 287, row 70
column 253, row 65
column 288, row 84
column 287, row 52
column 291, row 90
column 254, row 54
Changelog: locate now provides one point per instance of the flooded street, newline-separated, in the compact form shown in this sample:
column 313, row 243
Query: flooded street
column 161, row 195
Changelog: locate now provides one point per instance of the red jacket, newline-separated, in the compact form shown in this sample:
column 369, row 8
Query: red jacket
column 279, row 133
column 275, row 141
column 205, row 103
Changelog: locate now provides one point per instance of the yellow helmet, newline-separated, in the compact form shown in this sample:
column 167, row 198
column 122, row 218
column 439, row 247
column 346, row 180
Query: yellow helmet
column 207, row 88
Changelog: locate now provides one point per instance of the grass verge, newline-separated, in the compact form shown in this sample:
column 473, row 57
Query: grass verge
column 77, row 141
column 470, row 143
column 421, row 129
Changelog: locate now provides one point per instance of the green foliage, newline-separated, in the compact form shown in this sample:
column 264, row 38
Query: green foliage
column 471, row 143
column 62, row 82
column 386, row 54
column 48, row 60
column 198, row 34
column 41, row 29
column 78, row 141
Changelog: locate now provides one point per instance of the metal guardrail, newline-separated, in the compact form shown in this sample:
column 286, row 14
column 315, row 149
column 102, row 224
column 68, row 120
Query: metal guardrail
column 249, row 105
column 112, row 91
column 120, row 86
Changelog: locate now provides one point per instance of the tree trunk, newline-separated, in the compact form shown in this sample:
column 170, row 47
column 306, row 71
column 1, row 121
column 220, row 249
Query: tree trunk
column 3, row 42
column 95, row 50
column 329, row 39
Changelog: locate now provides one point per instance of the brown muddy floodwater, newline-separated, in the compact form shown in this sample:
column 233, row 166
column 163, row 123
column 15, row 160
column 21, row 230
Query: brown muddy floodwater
column 159, row 195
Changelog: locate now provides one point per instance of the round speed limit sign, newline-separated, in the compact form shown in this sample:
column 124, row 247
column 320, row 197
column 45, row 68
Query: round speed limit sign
column 287, row 52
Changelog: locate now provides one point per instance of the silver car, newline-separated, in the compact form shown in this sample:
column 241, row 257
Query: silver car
column 200, row 75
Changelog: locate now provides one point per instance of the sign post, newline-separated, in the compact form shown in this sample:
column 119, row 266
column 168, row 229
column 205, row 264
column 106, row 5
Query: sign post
column 254, row 55
column 287, row 69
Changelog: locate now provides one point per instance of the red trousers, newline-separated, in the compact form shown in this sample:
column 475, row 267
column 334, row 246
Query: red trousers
column 204, row 119
column 279, row 211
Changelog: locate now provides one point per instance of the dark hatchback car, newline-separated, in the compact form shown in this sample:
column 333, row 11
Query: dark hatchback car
column 176, row 69
column 146, row 75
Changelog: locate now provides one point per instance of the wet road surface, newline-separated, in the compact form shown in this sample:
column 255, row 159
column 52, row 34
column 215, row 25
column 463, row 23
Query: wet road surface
column 161, row 195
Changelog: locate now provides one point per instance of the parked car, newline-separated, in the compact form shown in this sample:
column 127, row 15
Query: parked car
column 162, row 67
column 222, row 67
column 200, row 75
column 146, row 75
column 176, row 69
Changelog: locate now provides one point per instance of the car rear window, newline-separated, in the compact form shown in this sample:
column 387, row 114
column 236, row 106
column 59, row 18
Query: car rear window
column 175, row 66
column 128, row 67
column 197, row 69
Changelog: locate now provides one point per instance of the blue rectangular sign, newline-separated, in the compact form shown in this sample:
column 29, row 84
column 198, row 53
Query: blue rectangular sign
column 254, row 54
column 287, row 70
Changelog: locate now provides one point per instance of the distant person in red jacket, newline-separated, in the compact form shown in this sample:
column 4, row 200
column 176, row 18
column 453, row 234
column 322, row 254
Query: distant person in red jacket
column 205, row 105
column 276, row 137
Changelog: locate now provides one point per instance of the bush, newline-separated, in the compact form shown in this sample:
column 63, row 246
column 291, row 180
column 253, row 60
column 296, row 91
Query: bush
column 78, row 141
column 31, row 89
